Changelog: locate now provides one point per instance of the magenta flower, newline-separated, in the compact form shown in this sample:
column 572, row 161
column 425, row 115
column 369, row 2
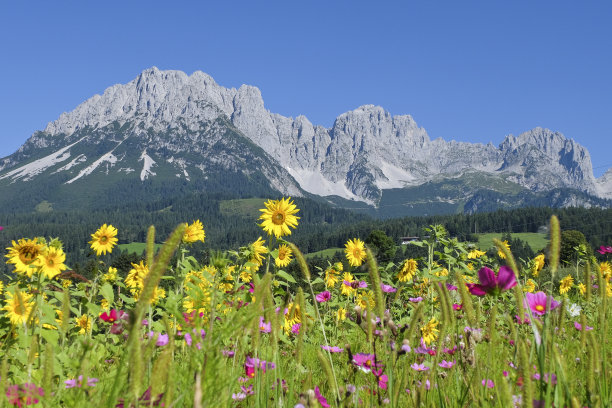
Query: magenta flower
column 447, row 364
column 492, row 284
column 602, row 249
column 578, row 326
column 457, row 306
column 295, row 329
column 365, row 362
column 415, row 299
column 162, row 339
column 263, row 326
column 381, row 378
column 387, row 288
column 419, row 367
column 334, row 349
column 78, row 382
column 423, row 349
column 356, row 284
column 323, row 296
column 537, row 302
column 322, row 400
column 111, row 316
column 488, row 383
column 1, row 227
column 26, row 394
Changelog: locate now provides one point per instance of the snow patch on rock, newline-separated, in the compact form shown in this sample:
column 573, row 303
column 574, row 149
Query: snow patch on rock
column 146, row 167
column 36, row 167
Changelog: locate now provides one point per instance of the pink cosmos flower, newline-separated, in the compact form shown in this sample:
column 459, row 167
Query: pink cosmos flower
column 381, row 378
column 488, row 383
column 365, row 362
column 415, row 299
column 263, row 326
column 322, row 400
column 323, row 296
column 457, row 306
column 356, row 284
column 162, row 339
column 447, row 364
column 387, row 288
column 334, row 349
column 295, row 329
column 419, row 367
column 493, row 284
column 537, row 302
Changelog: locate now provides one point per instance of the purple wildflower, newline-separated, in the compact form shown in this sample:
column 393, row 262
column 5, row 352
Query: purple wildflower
column 419, row 367
column 447, row 364
column 334, row 349
column 493, row 284
column 387, row 288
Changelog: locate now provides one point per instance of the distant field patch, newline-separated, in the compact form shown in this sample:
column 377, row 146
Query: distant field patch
column 536, row 241
column 248, row 207
column 136, row 247
column 324, row 253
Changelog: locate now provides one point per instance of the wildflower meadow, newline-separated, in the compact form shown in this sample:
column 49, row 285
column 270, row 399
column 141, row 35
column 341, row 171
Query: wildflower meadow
column 454, row 328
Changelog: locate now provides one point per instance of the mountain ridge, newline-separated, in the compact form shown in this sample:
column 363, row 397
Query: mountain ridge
column 175, row 117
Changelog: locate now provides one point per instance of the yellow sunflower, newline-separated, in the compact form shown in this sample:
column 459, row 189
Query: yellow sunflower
column 52, row 261
column 408, row 270
column 566, row 284
column 475, row 254
column 355, row 251
column 24, row 255
column 530, row 286
column 257, row 250
column 347, row 289
column 83, row 323
column 341, row 314
column 18, row 307
column 284, row 256
column 110, row 276
column 278, row 216
column 136, row 276
column 538, row 264
column 104, row 239
column 1, row 287
column 331, row 277
column 581, row 288
column 194, row 232
column 429, row 332
column 606, row 270
column 500, row 253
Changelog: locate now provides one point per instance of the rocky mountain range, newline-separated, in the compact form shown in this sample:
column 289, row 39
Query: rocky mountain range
column 173, row 129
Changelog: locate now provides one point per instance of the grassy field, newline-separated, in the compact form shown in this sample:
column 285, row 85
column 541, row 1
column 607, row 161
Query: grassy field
column 136, row 247
column 535, row 240
column 326, row 253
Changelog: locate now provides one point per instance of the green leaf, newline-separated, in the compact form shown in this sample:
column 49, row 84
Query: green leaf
column 52, row 336
column 286, row 276
column 106, row 291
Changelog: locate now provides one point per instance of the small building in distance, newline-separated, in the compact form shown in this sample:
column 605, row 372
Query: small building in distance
column 407, row 240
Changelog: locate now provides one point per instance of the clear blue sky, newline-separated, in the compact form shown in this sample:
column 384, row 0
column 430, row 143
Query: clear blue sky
column 465, row 70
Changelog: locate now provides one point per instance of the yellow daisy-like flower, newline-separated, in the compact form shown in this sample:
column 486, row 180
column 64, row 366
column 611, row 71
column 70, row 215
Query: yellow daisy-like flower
column 346, row 289
column 257, row 250
column 475, row 254
column 293, row 315
column 566, row 284
column 158, row 293
column 110, row 276
column 278, row 216
column 609, row 290
column 429, row 332
column 104, row 239
column 500, row 253
column 341, row 314
column 104, row 305
column 338, row 266
column 606, row 270
column 52, row 262
column 84, row 323
column 530, row 286
column 442, row 272
column 408, row 270
column 66, row 283
column 538, row 264
column 470, row 266
column 355, row 251
column 246, row 275
column 581, row 288
column 1, row 287
column 194, row 232
column 25, row 255
column 284, row 256
column 331, row 277
column 18, row 307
